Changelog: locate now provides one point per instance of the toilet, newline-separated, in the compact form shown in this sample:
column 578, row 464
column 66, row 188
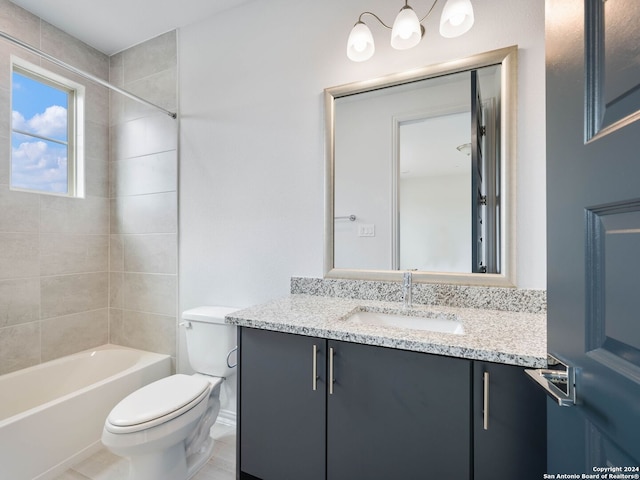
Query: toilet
column 163, row 427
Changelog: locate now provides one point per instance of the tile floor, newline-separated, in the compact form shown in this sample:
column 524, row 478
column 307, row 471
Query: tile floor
column 106, row 466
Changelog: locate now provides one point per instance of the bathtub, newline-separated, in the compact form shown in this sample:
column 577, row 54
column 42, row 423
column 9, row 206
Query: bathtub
column 52, row 414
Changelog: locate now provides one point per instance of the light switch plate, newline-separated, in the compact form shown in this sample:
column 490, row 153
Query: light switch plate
column 366, row 230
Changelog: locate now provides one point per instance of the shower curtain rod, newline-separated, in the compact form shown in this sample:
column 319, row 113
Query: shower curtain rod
column 84, row 74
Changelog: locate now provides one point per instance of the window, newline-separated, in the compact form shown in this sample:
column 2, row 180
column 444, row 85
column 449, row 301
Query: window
column 46, row 131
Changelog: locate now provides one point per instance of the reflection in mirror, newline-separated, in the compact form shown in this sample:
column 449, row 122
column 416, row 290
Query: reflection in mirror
column 421, row 161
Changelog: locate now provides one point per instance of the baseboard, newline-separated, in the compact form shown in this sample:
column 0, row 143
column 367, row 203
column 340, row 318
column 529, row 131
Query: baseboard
column 227, row 417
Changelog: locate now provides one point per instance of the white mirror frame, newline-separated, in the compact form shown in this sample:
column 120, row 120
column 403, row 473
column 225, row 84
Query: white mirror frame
column 507, row 57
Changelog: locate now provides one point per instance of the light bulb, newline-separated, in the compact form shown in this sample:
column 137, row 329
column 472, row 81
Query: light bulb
column 457, row 18
column 360, row 46
column 406, row 31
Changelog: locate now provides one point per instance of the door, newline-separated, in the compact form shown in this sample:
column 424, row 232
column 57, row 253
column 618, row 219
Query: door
column 478, row 197
column 282, row 403
column 593, row 211
column 394, row 414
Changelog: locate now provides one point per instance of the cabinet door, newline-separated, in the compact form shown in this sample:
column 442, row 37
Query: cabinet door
column 282, row 418
column 512, row 442
column 397, row 414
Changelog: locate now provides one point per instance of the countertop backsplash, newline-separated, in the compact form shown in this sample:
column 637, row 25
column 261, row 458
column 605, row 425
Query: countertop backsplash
column 462, row 296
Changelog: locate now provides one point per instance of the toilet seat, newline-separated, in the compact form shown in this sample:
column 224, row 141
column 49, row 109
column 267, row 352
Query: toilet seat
column 157, row 403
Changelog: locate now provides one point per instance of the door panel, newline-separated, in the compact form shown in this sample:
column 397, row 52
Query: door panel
column 612, row 60
column 593, row 229
column 478, row 262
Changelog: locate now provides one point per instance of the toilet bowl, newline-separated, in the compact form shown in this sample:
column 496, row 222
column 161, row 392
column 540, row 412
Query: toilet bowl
column 164, row 427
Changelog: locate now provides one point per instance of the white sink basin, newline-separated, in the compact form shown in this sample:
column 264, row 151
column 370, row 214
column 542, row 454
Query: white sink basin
column 411, row 322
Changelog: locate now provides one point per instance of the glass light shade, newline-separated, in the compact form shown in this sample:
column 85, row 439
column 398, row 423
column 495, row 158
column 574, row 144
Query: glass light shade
column 457, row 18
column 360, row 45
column 406, row 32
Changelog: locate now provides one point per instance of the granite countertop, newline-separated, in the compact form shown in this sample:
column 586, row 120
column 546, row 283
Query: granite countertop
column 491, row 335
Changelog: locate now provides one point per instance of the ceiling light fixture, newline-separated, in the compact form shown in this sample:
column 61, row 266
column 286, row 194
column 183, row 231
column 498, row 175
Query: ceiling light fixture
column 407, row 30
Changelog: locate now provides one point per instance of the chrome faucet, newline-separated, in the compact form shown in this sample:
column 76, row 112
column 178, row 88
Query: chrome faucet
column 406, row 290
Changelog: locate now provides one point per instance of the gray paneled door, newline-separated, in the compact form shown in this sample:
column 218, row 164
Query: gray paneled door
column 593, row 205
column 478, row 197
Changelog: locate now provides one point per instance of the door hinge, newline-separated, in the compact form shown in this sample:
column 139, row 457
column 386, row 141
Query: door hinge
column 483, row 130
column 482, row 200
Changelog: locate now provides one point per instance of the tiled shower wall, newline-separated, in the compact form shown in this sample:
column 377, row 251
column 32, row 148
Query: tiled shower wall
column 143, row 190
column 53, row 250
column 77, row 273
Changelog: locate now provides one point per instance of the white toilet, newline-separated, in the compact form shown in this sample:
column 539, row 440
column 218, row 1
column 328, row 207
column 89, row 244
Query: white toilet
column 163, row 428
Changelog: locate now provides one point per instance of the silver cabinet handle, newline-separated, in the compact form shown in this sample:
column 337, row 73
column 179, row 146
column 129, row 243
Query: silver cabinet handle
column 485, row 402
column 559, row 384
column 315, row 368
column 331, row 371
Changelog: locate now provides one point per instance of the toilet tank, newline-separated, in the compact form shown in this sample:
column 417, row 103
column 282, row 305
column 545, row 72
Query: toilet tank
column 209, row 340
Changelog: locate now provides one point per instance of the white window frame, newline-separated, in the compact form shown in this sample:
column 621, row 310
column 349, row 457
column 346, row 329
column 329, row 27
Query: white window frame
column 75, row 125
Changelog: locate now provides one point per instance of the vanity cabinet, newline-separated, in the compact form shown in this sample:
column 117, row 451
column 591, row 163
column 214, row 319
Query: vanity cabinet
column 509, row 439
column 281, row 421
column 397, row 414
column 389, row 413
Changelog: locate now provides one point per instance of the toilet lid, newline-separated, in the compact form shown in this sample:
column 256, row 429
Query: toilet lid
column 163, row 399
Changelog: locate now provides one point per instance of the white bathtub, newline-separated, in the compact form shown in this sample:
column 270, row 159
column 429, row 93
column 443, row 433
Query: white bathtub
column 52, row 414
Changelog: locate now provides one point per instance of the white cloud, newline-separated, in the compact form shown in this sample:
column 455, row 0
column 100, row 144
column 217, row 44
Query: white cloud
column 39, row 165
column 50, row 123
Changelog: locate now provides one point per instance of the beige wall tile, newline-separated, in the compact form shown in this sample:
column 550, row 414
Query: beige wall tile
column 150, row 57
column 116, row 335
column 19, row 255
column 68, row 294
column 155, row 213
column 96, row 104
column 147, row 331
column 156, row 173
column 97, row 140
column 151, row 253
column 158, row 88
column 72, row 51
column 144, row 136
column 74, row 215
column 64, row 253
column 5, row 146
column 97, row 176
column 19, row 23
column 150, row 293
column 116, row 69
column 116, row 253
column 19, row 301
column 20, row 211
column 73, row 333
column 116, row 298
column 19, row 346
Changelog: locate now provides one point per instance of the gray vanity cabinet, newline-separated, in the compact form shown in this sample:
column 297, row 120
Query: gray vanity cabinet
column 389, row 413
column 510, row 434
column 397, row 414
column 282, row 421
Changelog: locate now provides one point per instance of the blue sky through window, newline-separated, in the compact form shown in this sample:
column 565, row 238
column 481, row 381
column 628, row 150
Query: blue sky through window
column 39, row 136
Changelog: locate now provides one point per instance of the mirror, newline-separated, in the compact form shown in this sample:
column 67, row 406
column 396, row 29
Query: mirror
column 420, row 172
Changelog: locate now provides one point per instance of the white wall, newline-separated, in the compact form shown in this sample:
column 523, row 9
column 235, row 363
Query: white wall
column 252, row 141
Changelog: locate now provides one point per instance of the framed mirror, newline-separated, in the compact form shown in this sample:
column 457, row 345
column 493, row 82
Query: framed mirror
column 420, row 174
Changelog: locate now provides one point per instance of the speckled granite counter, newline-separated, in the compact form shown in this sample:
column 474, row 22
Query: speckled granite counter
column 496, row 336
